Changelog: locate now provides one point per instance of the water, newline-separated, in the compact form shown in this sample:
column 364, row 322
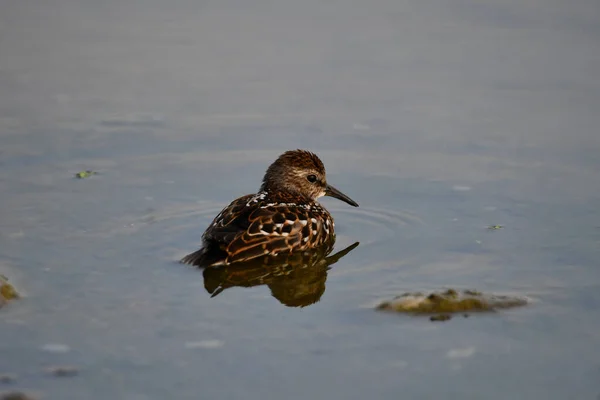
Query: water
column 439, row 117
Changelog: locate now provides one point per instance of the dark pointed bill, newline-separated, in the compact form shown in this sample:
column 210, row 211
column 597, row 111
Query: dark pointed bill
column 333, row 192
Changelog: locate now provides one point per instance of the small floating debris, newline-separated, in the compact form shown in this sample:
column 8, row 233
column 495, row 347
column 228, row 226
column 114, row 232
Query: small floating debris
column 440, row 317
column 62, row 370
column 494, row 227
column 7, row 291
column 441, row 305
column 85, row 174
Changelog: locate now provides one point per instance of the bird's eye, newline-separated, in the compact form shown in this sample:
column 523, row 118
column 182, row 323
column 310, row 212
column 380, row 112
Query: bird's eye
column 312, row 178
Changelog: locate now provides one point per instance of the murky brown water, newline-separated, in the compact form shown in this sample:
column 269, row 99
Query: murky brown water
column 440, row 118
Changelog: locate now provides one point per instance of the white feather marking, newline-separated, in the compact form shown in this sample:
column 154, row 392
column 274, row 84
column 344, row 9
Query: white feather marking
column 256, row 198
column 284, row 233
column 305, row 239
column 313, row 220
column 315, row 233
column 304, row 206
column 303, row 222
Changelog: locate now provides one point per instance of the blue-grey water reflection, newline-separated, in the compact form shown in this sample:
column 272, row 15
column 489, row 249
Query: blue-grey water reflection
column 439, row 117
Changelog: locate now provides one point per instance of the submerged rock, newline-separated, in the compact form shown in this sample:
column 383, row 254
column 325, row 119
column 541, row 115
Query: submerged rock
column 7, row 291
column 16, row 396
column 449, row 302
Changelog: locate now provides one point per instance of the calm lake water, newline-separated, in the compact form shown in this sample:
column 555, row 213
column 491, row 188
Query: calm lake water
column 440, row 117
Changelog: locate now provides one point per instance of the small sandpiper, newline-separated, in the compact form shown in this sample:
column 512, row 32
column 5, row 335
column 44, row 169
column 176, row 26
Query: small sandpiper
column 283, row 217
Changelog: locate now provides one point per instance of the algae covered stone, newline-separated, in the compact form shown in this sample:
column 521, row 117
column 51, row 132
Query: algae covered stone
column 450, row 301
column 7, row 291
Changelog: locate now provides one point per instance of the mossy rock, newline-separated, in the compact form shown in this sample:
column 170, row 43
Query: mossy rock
column 450, row 301
column 7, row 291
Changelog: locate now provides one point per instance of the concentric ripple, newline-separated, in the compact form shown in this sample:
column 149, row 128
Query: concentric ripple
column 183, row 223
column 374, row 224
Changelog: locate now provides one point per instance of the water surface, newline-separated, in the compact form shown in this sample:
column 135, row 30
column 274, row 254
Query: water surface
column 439, row 117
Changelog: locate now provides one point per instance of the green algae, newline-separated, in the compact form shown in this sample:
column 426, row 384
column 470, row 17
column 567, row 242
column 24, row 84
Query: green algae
column 85, row 174
column 7, row 291
column 450, row 301
column 494, row 227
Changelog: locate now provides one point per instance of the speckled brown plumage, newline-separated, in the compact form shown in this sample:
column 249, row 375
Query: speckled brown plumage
column 283, row 217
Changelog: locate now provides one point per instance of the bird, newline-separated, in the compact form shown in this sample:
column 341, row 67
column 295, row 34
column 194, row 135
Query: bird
column 283, row 217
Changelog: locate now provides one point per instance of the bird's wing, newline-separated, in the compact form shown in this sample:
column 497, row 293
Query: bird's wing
column 272, row 229
column 232, row 220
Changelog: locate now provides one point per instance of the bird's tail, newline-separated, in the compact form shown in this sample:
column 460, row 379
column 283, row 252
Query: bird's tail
column 208, row 256
column 197, row 258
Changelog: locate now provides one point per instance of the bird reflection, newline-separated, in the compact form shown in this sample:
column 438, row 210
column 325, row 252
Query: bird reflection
column 296, row 280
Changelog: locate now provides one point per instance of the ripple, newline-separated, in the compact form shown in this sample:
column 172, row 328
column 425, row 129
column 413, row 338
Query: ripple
column 376, row 224
column 388, row 217
column 193, row 213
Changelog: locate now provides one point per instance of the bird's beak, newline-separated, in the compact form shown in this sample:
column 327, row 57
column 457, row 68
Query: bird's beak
column 333, row 192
